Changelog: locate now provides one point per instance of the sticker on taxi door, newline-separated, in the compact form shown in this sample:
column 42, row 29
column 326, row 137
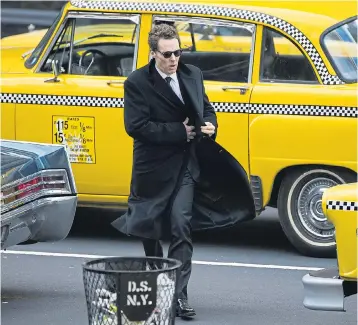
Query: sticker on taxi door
column 77, row 133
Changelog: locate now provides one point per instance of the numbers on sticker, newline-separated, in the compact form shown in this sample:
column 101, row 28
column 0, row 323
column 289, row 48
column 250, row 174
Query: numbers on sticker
column 59, row 137
column 62, row 125
column 83, row 139
column 83, row 127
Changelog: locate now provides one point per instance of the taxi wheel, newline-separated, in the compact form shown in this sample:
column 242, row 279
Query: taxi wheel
column 300, row 210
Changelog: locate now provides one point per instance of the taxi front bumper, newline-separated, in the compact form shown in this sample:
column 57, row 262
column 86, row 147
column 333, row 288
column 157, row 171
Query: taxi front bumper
column 325, row 290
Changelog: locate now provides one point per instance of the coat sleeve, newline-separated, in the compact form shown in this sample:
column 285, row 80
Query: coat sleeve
column 209, row 114
column 138, row 124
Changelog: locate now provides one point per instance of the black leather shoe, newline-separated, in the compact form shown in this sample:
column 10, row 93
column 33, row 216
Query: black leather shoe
column 184, row 310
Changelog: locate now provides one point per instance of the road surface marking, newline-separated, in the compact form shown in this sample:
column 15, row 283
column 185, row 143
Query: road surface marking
column 232, row 264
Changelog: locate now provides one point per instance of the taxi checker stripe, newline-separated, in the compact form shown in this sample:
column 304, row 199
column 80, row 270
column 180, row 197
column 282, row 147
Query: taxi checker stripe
column 342, row 205
column 253, row 108
column 311, row 110
column 62, row 100
column 281, row 24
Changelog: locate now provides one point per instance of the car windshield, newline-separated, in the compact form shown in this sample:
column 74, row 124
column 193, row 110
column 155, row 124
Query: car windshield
column 341, row 46
column 33, row 58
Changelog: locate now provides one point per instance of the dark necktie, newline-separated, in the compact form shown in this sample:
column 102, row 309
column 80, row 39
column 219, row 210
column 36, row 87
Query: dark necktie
column 168, row 79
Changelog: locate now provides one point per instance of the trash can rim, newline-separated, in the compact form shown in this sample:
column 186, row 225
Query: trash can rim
column 86, row 265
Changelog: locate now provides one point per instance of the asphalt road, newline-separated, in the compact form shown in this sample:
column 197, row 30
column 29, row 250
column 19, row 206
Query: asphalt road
column 245, row 276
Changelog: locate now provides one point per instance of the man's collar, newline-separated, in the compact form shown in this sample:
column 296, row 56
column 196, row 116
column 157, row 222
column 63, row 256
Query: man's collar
column 163, row 75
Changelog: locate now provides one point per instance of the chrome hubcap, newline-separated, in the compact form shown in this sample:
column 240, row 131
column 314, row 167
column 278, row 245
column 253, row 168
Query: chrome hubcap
column 310, row 207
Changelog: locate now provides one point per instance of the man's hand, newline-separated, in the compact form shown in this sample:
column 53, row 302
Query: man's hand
column 208, row 129
column 190, row 134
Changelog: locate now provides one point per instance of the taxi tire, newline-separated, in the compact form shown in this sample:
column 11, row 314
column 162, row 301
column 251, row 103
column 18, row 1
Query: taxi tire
column 291, row 224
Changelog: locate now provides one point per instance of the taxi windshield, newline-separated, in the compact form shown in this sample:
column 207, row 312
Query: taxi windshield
column 340, row 44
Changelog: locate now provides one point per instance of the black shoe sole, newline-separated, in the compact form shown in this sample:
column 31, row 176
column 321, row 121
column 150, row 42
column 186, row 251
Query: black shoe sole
column 188, row 315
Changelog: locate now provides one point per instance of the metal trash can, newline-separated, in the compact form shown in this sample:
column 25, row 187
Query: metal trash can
column 131, row 290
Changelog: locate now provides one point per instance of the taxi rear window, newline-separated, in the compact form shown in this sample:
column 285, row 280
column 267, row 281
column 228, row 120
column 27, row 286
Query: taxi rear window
column 340, row 45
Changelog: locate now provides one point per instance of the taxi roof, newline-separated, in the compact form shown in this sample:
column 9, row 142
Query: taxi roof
column 308, row 16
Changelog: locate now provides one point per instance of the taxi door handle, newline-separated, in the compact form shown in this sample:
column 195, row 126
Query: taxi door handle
column 115, row 82
column 243, row 89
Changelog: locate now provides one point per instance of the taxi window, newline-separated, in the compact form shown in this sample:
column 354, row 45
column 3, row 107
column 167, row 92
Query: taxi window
column 96, row 46
column 283, row 61
column 221, row 50
column 340, row 45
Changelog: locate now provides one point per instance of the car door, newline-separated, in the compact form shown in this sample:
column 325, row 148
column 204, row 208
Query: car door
column 291, row 110
column 83, row 107
column 223, row 50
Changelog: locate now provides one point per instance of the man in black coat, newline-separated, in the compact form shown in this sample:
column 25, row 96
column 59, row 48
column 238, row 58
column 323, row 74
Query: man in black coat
column 159, row 114
column 182, row 179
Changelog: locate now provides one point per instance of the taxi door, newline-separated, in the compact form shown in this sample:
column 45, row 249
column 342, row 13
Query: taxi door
column 287, row 99
column 223, row 51
column 82, row 107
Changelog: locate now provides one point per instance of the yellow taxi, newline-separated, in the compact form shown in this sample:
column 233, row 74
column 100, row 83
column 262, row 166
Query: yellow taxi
column 327, row 289
column 282, row 77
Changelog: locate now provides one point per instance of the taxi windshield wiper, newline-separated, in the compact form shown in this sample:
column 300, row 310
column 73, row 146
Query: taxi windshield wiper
column 96, row 36
column 68, row 43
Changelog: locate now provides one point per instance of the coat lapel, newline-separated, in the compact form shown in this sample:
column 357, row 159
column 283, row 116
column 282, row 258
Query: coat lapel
column 192, row 87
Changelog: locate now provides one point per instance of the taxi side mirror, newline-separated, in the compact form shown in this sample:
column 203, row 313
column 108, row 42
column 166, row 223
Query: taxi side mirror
column 54, row 71
column 55, row 68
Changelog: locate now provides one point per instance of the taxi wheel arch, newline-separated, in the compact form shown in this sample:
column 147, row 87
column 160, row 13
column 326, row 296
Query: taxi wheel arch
column 300, row 232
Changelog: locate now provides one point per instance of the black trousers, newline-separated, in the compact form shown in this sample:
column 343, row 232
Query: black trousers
column 181, row 247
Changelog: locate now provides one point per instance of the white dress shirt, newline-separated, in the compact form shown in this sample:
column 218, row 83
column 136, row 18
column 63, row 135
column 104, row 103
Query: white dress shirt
column 174, row 83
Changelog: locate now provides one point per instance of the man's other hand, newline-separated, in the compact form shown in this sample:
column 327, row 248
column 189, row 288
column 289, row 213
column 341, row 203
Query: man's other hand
column 190, row 134
column 208, row 129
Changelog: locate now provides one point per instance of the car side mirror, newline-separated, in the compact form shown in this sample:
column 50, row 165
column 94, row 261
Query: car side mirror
column 54, row 71
column 55, row 68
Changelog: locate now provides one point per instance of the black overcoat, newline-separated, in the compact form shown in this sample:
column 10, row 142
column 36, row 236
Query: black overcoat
column 222, row 196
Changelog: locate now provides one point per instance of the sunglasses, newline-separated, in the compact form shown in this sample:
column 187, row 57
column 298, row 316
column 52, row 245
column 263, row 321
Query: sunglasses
column 168, row 54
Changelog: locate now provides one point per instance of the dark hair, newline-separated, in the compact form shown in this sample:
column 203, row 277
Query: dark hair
column 164, row 31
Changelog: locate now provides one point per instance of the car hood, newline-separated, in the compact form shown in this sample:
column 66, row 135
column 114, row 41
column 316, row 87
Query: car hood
column 13, row 47
column 26, row 39
column 11, row 60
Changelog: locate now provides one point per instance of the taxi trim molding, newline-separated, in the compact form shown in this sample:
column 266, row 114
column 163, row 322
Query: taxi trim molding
column 40, row 99
column 342, row 205
column 224, row 107
column 284, row 26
